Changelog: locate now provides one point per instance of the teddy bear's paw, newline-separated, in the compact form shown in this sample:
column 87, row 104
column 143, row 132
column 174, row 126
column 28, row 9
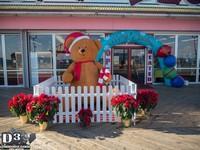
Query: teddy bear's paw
column 67, row 78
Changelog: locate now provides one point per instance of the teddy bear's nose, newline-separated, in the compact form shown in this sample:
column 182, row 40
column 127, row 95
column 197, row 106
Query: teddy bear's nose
column 82, row 50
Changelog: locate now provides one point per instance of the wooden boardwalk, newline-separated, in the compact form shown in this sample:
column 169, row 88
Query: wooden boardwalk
column 174, row 124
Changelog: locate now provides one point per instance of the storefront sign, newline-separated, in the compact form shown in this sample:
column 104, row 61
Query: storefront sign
column 107, row 59
column 149, row 67
column 177, row 2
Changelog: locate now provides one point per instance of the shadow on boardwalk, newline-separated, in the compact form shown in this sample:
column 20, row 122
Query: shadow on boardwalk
column 178, row 112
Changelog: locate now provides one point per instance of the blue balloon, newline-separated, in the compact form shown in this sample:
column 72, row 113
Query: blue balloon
column 170, row 61
column 177, row 82
column 127, row 36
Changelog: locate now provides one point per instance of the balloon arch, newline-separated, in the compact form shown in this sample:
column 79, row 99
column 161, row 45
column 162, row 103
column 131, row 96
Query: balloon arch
column 161, row 51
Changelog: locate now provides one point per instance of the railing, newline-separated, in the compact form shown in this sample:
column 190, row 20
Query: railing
column 93, row 2
column 96, row 98
column 69, row 2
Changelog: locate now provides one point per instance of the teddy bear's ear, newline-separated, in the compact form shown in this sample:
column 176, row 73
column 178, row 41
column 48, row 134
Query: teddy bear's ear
column 97, row 43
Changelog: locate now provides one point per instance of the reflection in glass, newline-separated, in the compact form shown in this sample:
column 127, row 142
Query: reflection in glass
column 63, row 60
column 15, row 77
column 120, row 62
column 13, row 52
column 60, row 73
column 167, row 40
column 41, row 57
column 188, row 74
column 187, row 51
column 199, row 75
column 40, row 76
column 137, row 65
column 1, row 78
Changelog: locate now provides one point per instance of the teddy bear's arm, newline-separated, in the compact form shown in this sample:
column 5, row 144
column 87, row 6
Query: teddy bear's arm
column 99, row 65
column 67, row 76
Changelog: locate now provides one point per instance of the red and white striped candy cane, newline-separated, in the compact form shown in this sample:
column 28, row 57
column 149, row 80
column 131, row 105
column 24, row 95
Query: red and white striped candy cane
column 103, row 76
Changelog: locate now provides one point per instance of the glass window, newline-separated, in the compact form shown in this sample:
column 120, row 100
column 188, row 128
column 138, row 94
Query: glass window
column 41, row 51
column 1, row 78
column 41, row 57
column 41, row 43
column 199, row 75
column 15, row 77
column 188, row 74
column 13, row 52
column 1, row 57
column 167, row 40
column 63, row 59
column 187, row 51
column 39, row 76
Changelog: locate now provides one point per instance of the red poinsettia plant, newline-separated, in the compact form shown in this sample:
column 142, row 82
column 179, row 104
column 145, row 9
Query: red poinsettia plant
column 148, row 99
column 42, row 108
column 85, row 117
column 125, row 105
column 17, row 104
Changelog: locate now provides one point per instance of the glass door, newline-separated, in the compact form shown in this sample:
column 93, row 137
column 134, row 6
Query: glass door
column 120, row 62
column 129, row 63
column 137, row 65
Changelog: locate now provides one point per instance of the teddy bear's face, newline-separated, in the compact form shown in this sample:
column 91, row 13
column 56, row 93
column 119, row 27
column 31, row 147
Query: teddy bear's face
column 85, row 49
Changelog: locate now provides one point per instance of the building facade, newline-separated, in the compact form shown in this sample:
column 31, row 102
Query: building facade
column 32, row 33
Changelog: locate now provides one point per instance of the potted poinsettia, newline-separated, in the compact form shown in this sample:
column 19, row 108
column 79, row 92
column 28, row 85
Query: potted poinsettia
column 125, row 106
column 85, row 117
column 42, row 109
column 17, row 106
column 148, row 100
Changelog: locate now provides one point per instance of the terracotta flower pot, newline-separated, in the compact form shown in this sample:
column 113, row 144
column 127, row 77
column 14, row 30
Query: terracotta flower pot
column 126, row 122
column 23, row 119
column 43, row 126
column 141, row 114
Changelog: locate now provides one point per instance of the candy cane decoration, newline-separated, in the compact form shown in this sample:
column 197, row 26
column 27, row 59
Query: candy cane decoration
column 103, row 76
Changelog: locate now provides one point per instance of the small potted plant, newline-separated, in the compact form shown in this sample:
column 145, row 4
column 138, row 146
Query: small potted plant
column 148, row 100
column 85, row 117
column 125, row 106
column 42, row 109
column 17, row 106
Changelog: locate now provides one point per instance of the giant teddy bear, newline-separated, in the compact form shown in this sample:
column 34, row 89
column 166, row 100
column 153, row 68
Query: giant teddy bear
column 84, row 70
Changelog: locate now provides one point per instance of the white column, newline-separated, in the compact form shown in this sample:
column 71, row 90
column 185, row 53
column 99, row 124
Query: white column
column 198, row 60
column 176, row 49
column 54, row 55
column 4, row 59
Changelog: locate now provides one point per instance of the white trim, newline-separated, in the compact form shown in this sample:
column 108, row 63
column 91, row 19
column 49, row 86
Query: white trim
column 4, row 59
column 188, row 68
column 54, row 54
column 76, row 40
column 176, row 49
column 22, row 53
column 145, row 65
column 198, row 60
column 11, row 86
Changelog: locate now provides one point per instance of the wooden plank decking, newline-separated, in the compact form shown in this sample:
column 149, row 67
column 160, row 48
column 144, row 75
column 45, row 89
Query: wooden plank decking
column 174, row 124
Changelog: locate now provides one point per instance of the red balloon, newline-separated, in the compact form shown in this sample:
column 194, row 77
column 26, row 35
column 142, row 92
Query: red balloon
column 164, row 51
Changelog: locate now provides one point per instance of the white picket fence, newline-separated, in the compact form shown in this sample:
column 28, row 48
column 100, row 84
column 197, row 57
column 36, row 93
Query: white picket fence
column 96, row 98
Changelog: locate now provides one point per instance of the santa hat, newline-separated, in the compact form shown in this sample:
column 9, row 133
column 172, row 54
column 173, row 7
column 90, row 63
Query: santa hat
column 71, row 39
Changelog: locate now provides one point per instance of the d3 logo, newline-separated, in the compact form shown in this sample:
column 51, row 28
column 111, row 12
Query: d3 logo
column 11, row 138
